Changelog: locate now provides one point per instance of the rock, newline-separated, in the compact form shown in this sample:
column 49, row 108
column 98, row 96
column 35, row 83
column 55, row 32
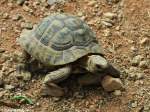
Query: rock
column 136, row 60
column 117, row 93
column 145, row 41
column 91, row 22
column 1, row 79
column 92, row 3
column 146, row 108
column 117, row 28
column 80, row 14
column 42, row 1
column 26, row 76
column 112, row 1
column 108, row 19
column 5, row 16
column 2, row 50
column 107, row 33
column 136, row 76
column 1, row 83
column 8, row 87
column 139, row 76
column 2, row 93
column 110, row 15
column 16, row 17
column 26, row 25
column 110, row 84
column 20, row 2
column 106, row 24
column 27, row 9
column 144, row 64
column 4, row 57
column 134, row 49
column 134, row 104
column 51, row 2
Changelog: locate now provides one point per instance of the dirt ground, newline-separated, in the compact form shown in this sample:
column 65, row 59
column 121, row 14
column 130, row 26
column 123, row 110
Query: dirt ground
column 125, row 39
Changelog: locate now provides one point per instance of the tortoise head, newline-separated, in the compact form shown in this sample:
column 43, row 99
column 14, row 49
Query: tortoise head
column 97, row 63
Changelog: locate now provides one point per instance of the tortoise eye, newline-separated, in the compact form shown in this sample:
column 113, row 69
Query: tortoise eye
column 98, row 66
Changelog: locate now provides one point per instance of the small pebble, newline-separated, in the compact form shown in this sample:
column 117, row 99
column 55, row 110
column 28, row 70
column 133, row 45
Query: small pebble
column 134, row 104
column 136, row 60
column 2, row 50
column 5, row 15
column 80, row 14
column 145, row 41
column 26, row 76
column 26, row 8
column 51, row 2
column 117, row 93
column 1, row 82
column 110, row 15
column 26, row 25
column 8, row 87
column 139, row 76
column 107, row 33
column 112, row 1
column 91, row 3
column 144, row 64
column 106, row 24
column 16, row 17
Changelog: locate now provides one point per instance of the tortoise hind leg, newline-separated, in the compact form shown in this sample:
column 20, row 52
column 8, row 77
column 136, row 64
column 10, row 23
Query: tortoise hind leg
column 50, row 87
column 24, row 61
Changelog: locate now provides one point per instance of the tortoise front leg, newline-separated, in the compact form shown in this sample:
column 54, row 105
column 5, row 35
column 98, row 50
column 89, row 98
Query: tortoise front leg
column 51, row 79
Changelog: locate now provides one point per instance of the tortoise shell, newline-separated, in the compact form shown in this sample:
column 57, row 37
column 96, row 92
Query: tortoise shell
column 60, row 39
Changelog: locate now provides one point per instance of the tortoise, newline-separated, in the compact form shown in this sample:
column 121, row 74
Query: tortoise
column 64, row 44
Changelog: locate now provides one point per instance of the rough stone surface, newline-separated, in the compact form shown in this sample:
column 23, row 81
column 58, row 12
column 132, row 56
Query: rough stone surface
column 51, row 2
column 117, row 93
column 110, row 84
column 136, row 60
column 26, row 25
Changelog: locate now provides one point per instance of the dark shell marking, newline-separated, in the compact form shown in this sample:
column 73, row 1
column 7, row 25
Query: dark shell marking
column 60, row 39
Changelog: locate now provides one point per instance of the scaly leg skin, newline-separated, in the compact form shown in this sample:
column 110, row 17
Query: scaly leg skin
column 49, row 84
column 23, row 66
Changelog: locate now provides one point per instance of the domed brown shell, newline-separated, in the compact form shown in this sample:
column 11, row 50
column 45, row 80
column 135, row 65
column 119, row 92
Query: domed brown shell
column 60, row 39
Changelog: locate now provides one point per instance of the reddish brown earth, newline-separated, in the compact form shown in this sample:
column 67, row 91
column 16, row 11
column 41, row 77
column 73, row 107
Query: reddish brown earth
column 129, row 30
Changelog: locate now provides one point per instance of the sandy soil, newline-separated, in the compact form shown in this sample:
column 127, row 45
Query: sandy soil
column 128, row 37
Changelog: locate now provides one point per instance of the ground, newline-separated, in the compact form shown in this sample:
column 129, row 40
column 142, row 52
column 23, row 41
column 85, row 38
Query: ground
column 124, row 34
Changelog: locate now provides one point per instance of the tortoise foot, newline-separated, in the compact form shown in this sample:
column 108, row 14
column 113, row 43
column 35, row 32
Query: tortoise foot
column 52, row 90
